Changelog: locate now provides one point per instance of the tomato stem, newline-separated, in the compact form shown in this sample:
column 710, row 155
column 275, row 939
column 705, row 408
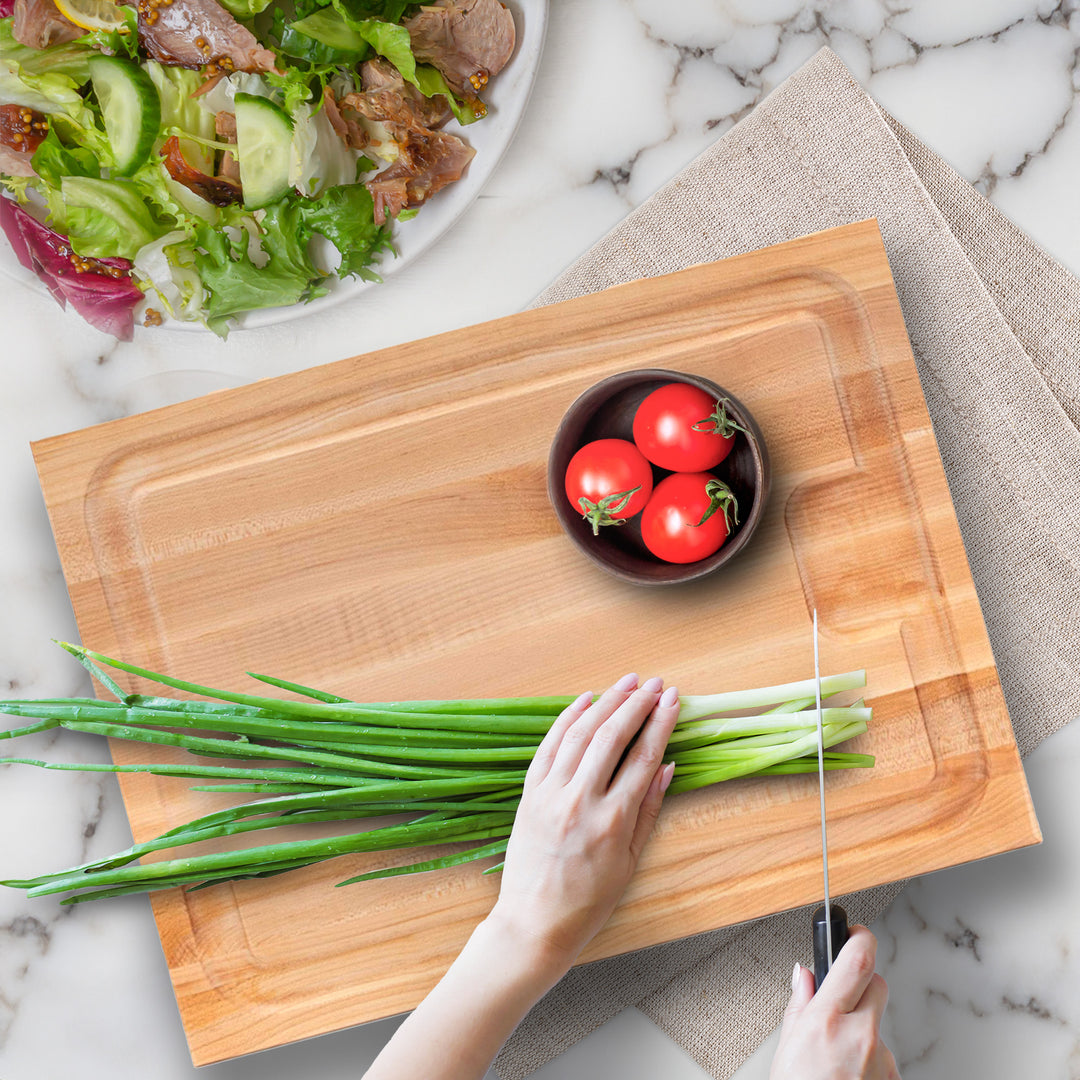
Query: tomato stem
column 719, row 423
column 606, row 510
column 721, row 497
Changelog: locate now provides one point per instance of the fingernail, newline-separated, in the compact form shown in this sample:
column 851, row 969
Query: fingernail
column 665, row 780
column 795, row 978
column 627, row 682
column 670, row 696
column 582, row 699
column 652, row 686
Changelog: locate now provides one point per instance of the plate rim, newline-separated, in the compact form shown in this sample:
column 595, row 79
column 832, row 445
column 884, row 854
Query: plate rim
column 531, row 21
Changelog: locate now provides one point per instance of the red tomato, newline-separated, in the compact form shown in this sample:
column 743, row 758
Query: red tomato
column 608, row 481
column 682, row 428
column 687, row 518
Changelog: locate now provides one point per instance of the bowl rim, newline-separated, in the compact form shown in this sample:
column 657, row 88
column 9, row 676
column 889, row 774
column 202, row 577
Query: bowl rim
column 602, row 391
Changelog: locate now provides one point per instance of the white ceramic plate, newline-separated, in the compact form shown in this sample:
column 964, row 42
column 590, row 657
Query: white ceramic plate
column 506, row 100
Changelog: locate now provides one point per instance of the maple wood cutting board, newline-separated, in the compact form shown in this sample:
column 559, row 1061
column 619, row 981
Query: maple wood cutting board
column 380, row 528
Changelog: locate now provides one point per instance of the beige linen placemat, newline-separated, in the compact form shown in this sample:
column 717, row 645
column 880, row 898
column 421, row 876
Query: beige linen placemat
column 995, row 328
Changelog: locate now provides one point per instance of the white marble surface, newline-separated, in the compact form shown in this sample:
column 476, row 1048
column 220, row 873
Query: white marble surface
column 982, row 961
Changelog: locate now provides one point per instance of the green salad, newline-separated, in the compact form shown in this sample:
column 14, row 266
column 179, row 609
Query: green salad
column 198, row 159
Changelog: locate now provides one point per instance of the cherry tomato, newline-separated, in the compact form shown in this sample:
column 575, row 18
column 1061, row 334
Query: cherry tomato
column 682, row 428
column 689, row 516
column 608, row 481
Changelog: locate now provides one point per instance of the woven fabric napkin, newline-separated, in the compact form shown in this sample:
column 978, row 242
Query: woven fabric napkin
column 994, row 325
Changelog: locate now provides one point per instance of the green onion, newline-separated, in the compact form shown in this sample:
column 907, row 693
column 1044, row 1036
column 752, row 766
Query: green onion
column 454, row 768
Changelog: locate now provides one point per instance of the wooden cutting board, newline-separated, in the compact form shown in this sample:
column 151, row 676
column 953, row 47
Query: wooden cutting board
column 379, row 527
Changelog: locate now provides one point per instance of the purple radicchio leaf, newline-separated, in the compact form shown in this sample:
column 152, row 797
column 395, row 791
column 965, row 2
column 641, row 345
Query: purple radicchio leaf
column 104, row 301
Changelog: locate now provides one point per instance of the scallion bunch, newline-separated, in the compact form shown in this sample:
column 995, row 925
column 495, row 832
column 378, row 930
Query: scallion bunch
column 456, row 767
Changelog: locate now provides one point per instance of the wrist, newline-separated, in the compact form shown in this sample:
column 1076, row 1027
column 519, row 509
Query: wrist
column 508, row 936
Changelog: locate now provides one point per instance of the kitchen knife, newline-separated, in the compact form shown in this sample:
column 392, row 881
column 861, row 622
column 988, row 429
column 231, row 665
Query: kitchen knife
column 829, row 922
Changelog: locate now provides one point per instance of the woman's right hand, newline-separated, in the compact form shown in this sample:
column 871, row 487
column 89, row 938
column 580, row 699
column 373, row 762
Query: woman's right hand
column 836, row 1033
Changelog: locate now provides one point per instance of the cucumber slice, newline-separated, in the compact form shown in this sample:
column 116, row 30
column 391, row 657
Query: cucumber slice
column 130, row 107
column 263, row 141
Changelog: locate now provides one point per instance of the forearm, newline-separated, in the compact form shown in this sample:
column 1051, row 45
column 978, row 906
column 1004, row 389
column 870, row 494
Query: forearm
column 585, row 813
column 456, row 1031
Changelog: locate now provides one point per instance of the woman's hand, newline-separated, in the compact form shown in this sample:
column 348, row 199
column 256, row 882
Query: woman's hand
column 835, row 1034
column 591, row 796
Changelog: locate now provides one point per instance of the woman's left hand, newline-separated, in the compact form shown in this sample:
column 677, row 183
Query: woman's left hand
column 592, row 795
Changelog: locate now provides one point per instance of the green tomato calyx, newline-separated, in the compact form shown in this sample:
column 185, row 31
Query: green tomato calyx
column 719, row 423
column 721, row 497
column 606, row 511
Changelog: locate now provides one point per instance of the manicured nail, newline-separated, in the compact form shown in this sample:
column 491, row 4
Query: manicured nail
column 582, row 700
column 652, row 686
column 670, row 696
column 627, row 682
column 665, row 779
column 795, row 978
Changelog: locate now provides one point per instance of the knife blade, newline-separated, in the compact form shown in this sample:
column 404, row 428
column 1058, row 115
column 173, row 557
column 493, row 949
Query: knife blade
column 829, row 922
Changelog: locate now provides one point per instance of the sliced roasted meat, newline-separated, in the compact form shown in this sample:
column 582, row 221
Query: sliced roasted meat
column 38, row 24
column 397, row 119
column 225, row 126
column 386, row 110
column 198, row 33
column 467, row 40
column 399, row 101
column 229, row 168
column 15, row 162
column 428, row 162
column 386, row 99
column 347, row 126
column 391, row 195
column 379, row 74
column 210, row 83
column 219, row 190
column 225, row 129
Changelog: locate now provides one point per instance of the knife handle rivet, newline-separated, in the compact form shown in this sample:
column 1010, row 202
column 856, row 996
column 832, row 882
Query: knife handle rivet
column 821, row 949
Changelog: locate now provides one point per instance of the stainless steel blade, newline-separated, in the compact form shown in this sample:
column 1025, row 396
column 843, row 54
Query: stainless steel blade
column 821, row 792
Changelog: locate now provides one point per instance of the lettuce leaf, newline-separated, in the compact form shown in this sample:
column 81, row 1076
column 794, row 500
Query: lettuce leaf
column 179, row 109
column 68, row 59
column 387, row 10
column 324, row 37
column 245, row 9
column 166, row 266
column 298, row 46
column 334, row 36
column 123, row 41
column 236, row 283
column 222, row 96
column 283, row 273
column 296, row 87
column 345, row 216
column 52, row 160
column 51, row 92
column 319, row 158
column 389, row 40
column 106, row 218
column 56, row 94
column 430, row 83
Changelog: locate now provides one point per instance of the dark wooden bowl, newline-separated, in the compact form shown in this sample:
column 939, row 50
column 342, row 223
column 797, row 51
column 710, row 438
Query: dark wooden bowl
column 606, row 411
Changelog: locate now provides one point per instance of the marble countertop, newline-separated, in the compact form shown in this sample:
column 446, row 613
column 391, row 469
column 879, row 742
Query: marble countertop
column 981, row 960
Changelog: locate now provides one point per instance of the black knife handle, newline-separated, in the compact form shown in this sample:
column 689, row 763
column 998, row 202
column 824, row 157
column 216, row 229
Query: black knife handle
column 821, row 947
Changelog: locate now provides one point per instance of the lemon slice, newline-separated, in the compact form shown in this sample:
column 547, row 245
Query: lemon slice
column 93, row 14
